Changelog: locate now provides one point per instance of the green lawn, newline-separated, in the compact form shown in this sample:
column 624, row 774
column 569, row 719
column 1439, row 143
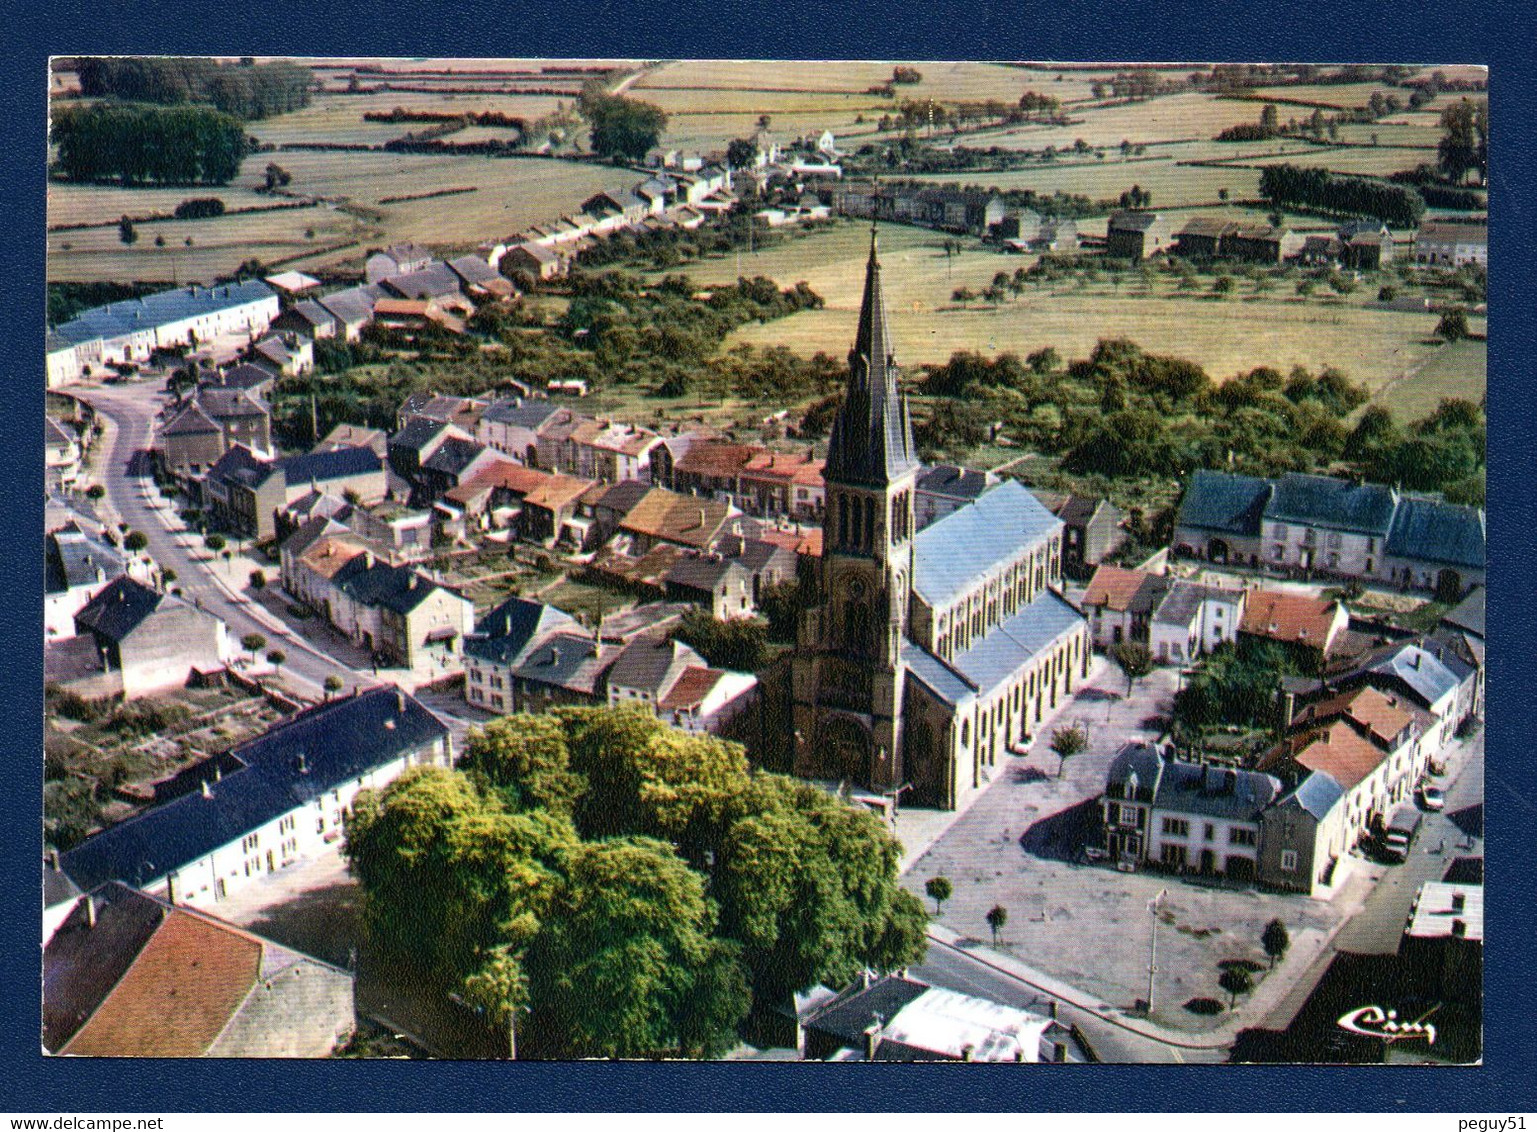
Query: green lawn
column 1456, row 369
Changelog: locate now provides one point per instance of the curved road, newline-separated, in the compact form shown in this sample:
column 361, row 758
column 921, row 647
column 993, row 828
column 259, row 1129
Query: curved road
column 129, row 411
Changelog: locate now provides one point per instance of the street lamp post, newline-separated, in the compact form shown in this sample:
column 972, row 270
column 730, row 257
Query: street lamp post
column 1152, row 952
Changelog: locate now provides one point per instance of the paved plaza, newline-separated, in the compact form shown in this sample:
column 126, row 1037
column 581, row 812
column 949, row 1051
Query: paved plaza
column 1020, row 846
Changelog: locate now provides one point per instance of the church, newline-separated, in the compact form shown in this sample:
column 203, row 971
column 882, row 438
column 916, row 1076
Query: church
column 923, row 654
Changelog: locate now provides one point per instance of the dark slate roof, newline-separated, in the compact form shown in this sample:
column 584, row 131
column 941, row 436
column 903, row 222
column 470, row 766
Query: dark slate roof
column 309, row 532
column 352, row 306
column 191, row 421
column 453, row 455
column 1078, row 510
column 948, row 685
column 434, row 281
column 647, row 664
column 952, row 481
column 472, row 269
column 314, row 314
column 1132, row 221
column 247, row 376
column 501, row 635
column 1140, row 761
column 951, row 553
column 856, row 1009
column 239, row 466
column 1468, row 614
column 565, row 660
column 57, row 888
column 72, row 558
column 56, row 434
column 1424, row 675
column 336, row 464
column 160, row 309
column 1433, row 531
column 520, row 412
column 1317, row 794
column 1324, row 501
column 701, row 571
column 1218, row 501
column 82, row 966
column 218, row 403
column 119, row 609
column 339, row 741
column 623, row 496
column 1215, row 792
column 872, row 435
column 417, row 434
column 376, row 584
column 1183, row 601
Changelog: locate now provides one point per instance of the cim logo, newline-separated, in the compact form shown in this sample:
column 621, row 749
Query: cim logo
column 1374, row 1022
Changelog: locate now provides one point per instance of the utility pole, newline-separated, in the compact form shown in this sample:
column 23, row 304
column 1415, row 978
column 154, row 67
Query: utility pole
column 1152, row 953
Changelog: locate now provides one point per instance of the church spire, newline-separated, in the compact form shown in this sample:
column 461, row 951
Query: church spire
column 872, row 440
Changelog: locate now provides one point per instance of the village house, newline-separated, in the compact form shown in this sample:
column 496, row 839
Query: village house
column 767, row 484
column 243, row 494
column 353, row 309
column 1091, row 530
column 1443, row 243
column 1307, row 627
column 1119, row 604
column 354, row 436
column 436, row 283
column 534, row 260
column 308, row 318
column 289, row 354
column 256, row 379
column 479, row 280
column 1138, row 235
column 713, row 469
column 396, row 260
column 265, row 804
column 1425, row 673
column 673, row 682
column 1462, row 628
column 1262, row 243
column 501, row 641
column 61, row 455
column 1322, row 525
column 1193, row 620
column 400, row 614
column 122, row 958
column 63, row 360
column 131, row 330
column 131, row 640
column 666, row 516
column 76, row 567
column 215, row 421
column 1184, row 816
column 292, row 284
column 1205, row 238
column 418, row 314
column 714, row 582
column 894, row 1018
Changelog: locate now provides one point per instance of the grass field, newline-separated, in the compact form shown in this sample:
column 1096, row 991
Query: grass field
column 84, row 204
column 338, row 118
column 1225, row 337
column 1371, row 160
column 1457, row 369
column 1171, row 184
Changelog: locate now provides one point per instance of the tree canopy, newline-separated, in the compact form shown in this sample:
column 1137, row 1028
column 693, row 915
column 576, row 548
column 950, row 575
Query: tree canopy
column 633, row 887
column 135, row 143
column 621, row 127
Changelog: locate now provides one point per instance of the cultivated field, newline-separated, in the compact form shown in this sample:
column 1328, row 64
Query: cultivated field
column 102, row 204
column 338, row 118
column 1224, row 336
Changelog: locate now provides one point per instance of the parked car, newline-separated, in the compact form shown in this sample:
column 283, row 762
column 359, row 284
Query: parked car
column 1432, row 798
column 1400, row 831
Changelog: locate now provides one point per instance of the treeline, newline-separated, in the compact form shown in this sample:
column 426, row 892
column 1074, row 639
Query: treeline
column 1427, row 181
column 605, row 886
column 1294, row 186
column 66, row 300
column 620, row 127
column 491, row 118
column 139, row 143
column 247, row 90
column 1123, row 413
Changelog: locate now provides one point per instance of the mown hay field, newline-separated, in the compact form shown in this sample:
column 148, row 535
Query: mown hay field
column 1375, row 161
column 338, row 118
column 1457, row 369
column 219, row 245
column 101, row 204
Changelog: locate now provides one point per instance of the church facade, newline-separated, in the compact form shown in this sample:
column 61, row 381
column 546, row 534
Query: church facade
column 924, row 655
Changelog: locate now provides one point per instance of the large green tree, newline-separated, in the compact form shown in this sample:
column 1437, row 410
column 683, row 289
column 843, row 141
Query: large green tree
column 628, row 965
column 622, row 127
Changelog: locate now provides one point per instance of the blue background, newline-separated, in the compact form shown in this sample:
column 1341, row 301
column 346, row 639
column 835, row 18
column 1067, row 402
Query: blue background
column 1499, row 35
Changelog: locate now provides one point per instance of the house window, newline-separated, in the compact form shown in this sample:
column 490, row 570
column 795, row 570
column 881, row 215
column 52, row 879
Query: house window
column 1173, row 856
column 1288, row 860
column 1279, row 530
column 1247, row 837
column 1278, row 552
column 250, row 843
column 1211, row 832
column 1334, row 559
column 1334, row 540
column 1176, row 827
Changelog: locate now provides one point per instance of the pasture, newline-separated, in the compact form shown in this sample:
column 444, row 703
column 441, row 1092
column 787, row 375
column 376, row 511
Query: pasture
column 1223, row 336
column 1456, row 369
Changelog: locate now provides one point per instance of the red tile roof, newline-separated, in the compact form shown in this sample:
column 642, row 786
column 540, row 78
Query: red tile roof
column 1114, row 587
column 178, row 995
column 713, row 458
column 1291, row 618
column 690, row 689
column 1339, row 752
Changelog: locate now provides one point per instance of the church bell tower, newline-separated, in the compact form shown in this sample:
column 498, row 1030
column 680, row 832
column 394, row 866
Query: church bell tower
column 848, row 673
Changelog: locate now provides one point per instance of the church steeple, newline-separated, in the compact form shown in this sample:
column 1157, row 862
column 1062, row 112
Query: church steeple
column 872, row 438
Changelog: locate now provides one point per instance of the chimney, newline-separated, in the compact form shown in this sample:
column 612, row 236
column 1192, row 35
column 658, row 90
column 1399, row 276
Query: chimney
column 554, row 654
column 90, row 911
column 1459, row 901
column 1230, row 781
column 304, row 765
column 207, row 790
column 1459, row 929
column 1415, row 663
column 872, row 1039
column 1059, row 1052
column 967, row 1052
column 400, row 701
